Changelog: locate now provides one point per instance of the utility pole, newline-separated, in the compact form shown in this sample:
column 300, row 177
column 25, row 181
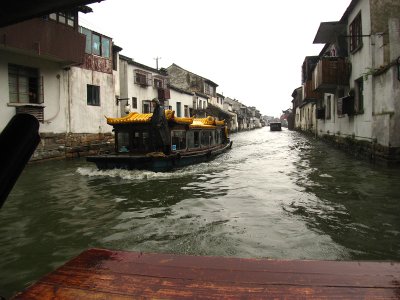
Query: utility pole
column 157, row 58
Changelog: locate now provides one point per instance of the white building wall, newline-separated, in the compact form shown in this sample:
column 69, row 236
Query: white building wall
column 307, row 119
column 386, row 90
column 135, row 90
column 183, row 98
column 359, row 125
column 86, row 118
column 54, row 89
column 200, row 102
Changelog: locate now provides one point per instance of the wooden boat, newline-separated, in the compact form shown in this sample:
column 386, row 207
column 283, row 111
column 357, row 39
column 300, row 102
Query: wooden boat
column 107, row 274
column 138, row 144
column 275, row 126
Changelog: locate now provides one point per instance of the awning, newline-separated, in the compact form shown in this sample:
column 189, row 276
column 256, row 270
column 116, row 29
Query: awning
column 328, row 31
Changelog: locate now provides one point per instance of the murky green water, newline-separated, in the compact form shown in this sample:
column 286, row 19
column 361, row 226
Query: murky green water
column 275, row 194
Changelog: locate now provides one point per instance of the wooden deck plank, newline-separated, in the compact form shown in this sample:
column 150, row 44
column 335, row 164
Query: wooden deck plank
column 101, row 258
column 249, row 276
column 118, row 288
column 104, row 274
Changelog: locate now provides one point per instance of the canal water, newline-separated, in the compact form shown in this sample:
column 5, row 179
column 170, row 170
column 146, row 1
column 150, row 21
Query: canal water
column 277, row 195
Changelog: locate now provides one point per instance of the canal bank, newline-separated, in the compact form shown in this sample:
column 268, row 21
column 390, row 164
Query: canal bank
column 275, row 195
column 360, row 148
column 72, row 145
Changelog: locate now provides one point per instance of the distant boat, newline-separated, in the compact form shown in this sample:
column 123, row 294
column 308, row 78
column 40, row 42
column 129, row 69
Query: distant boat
column 275, row 126
column 137, row 142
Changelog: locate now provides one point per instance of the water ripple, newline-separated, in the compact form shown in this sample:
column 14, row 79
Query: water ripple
column 275, row 195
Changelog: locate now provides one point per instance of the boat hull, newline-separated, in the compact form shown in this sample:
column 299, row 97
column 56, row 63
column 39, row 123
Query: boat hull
column 155, row 163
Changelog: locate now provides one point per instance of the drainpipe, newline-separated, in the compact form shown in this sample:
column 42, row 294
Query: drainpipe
column 373, row 37
column 48, row 121
column 68, row 103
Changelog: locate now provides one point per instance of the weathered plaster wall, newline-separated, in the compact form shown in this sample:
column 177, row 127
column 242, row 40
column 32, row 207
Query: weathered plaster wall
column 183, row 98
column 201, row 102
column 135, row 90
column 185, row 80
column 387, row 113
column 381, row 12
column 54, row 88
column 86, row 118
column 386, row 91
column 123, row 80
column 307, row 117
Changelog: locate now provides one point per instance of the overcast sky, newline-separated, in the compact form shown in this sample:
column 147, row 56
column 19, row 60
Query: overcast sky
column 253, row 49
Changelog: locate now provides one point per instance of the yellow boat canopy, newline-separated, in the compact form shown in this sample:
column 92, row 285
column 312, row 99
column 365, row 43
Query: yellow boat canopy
column 136, row 118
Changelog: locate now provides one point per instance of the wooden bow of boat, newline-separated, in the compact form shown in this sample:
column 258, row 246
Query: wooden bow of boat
column 105, row 274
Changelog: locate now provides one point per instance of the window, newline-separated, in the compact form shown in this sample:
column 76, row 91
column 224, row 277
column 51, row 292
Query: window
column 134, row 102
column 67, row 18
column 88, row 34
column 178, row 140
column 178, row 109
column 355, row 31
column 146, row 108
column 93, row 95
column 205, row 138
column 24, row 84
column 193, row 139
column 140, row 140
column 186, row 111
column 212, row 138
column 209, row 89
column 218, row 136
column 359, row 96
column 123, row 142
column 158, row 83
column 96, row 44
column 328, row 107
column 105, row 47
column 140, row 78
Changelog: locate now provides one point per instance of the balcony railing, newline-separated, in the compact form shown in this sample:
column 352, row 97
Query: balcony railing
column 309, row 93
column 45, row 38
column 331, row 73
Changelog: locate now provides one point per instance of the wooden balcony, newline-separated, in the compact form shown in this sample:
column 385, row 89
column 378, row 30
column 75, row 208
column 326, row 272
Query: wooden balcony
column 45, row 39
column 309, row 93
column 331, row 73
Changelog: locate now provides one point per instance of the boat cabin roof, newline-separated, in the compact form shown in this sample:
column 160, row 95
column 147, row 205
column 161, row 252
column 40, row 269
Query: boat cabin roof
column 136, row 118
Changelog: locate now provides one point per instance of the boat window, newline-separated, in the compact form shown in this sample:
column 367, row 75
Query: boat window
column 123, row 142
column 140, row 140
column 205, row 138
column 193, row 139
column 178, row 140
column 145, row 140
column 136, row 140
column 217, row 137
column 212, row 138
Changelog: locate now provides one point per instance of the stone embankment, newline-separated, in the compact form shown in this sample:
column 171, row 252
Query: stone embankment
column 72, row 145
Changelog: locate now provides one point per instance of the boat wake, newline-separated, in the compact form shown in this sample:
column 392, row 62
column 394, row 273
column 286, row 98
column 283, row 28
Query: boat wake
column 140, row 175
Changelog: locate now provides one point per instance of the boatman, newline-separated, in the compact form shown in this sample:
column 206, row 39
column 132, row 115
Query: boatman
column 160, row 132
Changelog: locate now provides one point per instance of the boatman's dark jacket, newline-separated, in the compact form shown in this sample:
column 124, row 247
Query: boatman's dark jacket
column 161, row 134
